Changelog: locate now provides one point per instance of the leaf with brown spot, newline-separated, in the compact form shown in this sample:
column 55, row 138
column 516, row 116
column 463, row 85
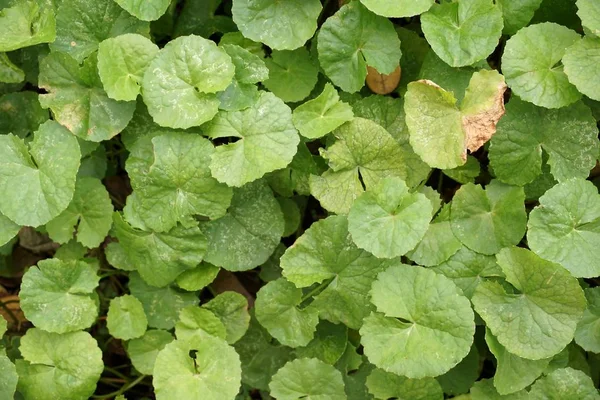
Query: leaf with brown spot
column 383, row 83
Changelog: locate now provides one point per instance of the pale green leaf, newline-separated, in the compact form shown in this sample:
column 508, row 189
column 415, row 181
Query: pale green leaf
column 88, row 217
column 146, row 10
column 385, row 385
column 56, row 366
column 531, row 66
column 353, row 38
column 267, row 141
column 589, row 12
column 196, row 323
column 587, row 334
column 77, row 98
column 328, row 345
column 485, row 390
column 398, row 8
column 537, row 318
column 143, row 351
column 232, row 309
column 247, row 235
column 307, row 378
column 59, row 296
column 277, row 309
column 3, row 326
column 26, row 23
column 463, row 32
column 206, row 368
column 487, row 220
column 8, row 230
column 280, row 25
column 180, row 83
column 126, row 319
column 116, row 256
column 292, row 74
column 249, row 67
column 388, row 220
column 566, row 383
column 122, row 62
column 568, row 135
column 9, row 378
column 581, row 66
column 78, row 31
column 326, row 254
column 424, row 325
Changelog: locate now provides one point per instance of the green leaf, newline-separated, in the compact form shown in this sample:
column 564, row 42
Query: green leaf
column 398, row 9
column 267, row 141
column 9, row 72
column 247, row 235
column 249, row 67
column 460, row 378
column 43, row 170
column 161, row 305
column 21, row 113
column 277, row 309
column 143, row 351
column 580, row 61
column 174, row 183
column 180, row 83
column 531, row 66
column 488, row 220
column 232, row 309
column 26, row 23
column 292, row 215
column 197, row 278
column 587, row 334
column 126, row 319
column 122, row 62
column 485, row 390
column 388, row 220
column 56, row 366
column 328, row 345
column 292, row 74
column 546, row 303
column 462, row 33
column 198, row 17
column 564, row 227
column 196, row 323
column 161, row 257
column 325, row 254
column 307, row 378
column 517, row 14
column 568, row 135
column 353, row 38
column 59, row 296
column 280, row 25
column 385, row 385
column 202, row 369
column 8, row 382
column 116, row 256
column 78, row 32
column 424, row 325
column 465, row 173
column 147, row 10
column 467, row 269
column 513, row 373
column 78, row 100
column 3, row 326
column 89, row 215
column 321, row 115
column 8, row 230
column 566, row 383
column 589, row 12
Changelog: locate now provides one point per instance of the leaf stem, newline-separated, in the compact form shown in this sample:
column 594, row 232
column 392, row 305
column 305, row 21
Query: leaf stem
column 316, row 290
column 122, row 390
column 9, row 312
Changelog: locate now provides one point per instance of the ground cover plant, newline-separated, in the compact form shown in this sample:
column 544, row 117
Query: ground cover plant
column 299, row 199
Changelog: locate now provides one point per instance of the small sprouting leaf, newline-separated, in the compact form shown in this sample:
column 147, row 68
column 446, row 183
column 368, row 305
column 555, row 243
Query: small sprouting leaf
column 143, row 351
column 417, row 309
column 122, row 62
column 352, row 39
column 180, row 83
column 325, row 254
column 88, row 217
column 26, row 23
column 589, row 12
column 59, row 296
column 232, row 309
column 58, row 366
column 385, row 385
column 398, row 9
column 146, row 10
column 307, row 378
column 587, row 334
column 126, row 318
column 488, row 220
column 206, row 368
column 463, row 32
column 565, row 383
column 581, row 61
column 545, row 301
column 277, row 309
column 78, row 32
column 280, row 25
column 78, row 100
column 568, row 136
column 565, row 227
column 292, row 74
column 531, row 66
column 195, row 323
column 388, row 220
column 267, row 141
column 247, row 235
column 44, row 171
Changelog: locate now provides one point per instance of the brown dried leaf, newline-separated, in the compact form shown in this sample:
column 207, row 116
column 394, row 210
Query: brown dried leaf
column 382, row 83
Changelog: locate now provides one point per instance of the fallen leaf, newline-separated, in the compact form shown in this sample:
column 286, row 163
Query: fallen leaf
column 382, row 83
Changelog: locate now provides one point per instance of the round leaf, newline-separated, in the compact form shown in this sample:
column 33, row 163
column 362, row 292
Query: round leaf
column 143, row 351
column 398, row 8
column 126, row 318
column 146, row 10
column 292, row 74
column 581, row 66
column 589, row 12
column 307, row 378
column 417, row 309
